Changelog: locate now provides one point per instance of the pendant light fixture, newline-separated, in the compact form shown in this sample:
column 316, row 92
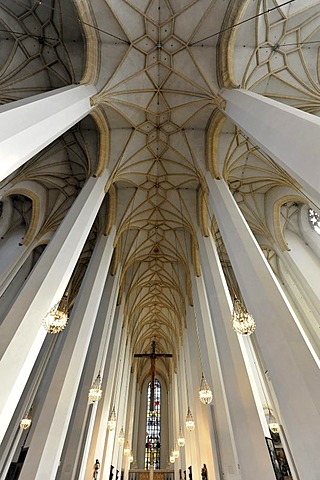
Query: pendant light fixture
column 112, row 422
column 126, row 450
column 175, row 451
column 190, row 423
column 26, row 421
column 57, row 318
column 242, row 321
column 121, row 437
column 181, row 440
column 172, row 458
column 205, row 394
column 95, row 392
column 271, row 420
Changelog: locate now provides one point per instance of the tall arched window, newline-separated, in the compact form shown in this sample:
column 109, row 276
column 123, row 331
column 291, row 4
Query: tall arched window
column 153, row 427
column 314, row 219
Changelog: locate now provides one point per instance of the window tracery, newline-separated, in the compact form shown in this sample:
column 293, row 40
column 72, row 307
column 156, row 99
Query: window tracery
column 314, row 220
column 152, row 449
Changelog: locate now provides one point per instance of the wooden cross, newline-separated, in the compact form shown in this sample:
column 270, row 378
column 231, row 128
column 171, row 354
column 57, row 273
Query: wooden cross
column 153, row 356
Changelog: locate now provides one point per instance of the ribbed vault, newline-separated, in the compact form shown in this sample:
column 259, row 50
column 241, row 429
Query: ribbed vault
column 158, row 117
column 164, row 92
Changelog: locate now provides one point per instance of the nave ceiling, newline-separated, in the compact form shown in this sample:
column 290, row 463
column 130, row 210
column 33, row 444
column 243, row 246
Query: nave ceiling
column 158, row 79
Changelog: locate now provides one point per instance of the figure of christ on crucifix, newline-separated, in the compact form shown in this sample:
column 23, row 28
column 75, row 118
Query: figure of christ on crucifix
column 153, row 357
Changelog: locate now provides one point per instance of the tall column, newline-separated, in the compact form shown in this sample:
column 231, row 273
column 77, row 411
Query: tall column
column 99, row 436
column 29, row 125
column 289, row 135
column 301, row 298
column 254, row 461
column 182, row 408
column 134, row 403
column 22, row 329
column 174, row 383
column 207, row 445
column 292, row 364
column 75, row 450
column 193, row 374
column 305, row 265
column 117, row 379
column 222, row 435
column 48, row 439
column 15, row 437
column 133, row 385
column 184, row 401
column 121, row 402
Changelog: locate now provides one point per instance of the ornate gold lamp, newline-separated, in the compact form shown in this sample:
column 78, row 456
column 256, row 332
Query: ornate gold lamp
column 190, row 424
column 112, row 422
column 205, row 394
column 181, row 440
column 242, row 321
column 121, row 437
column 95, row 392
column 57, row 318
column 26, row 421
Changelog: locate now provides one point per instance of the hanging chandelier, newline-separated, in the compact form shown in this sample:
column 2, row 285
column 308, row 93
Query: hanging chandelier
column 274, row 427
column 190, row 425
column 172, row 458
column 121, row 437
column 95, row 392
column 272, row 422
column 126, row 450
column 57, row 318
column 112, row 422
column 242, row 321
column 181, row 440
column 26, row 420
column 205, row 394
column 175, row 451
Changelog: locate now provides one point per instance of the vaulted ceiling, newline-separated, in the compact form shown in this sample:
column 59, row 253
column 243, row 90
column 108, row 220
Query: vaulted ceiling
column 164, row 86
column 158, row 66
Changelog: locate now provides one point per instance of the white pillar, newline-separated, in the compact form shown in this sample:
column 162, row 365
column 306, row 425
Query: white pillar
column 302, row 299
column 22, row 329
column 208, row 449
column 29, row 125
column 176, row 426
column 116, row 384
column 193, row 374
column 15, row 436
column 121, row 402
column 75, row 451
column 134, row 402
column 293, row 367
column 252, row 455
column 289, row 135
column 182, row 408
column 131, row 393
column 184, row 403
column 221, row 433
column 306, row 265
column 99, row 436
column 48, row 439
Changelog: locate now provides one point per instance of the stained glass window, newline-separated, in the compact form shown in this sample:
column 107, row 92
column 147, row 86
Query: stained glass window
column 152, row 449
column 314, row 219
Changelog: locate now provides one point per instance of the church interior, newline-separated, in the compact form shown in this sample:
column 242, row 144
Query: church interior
column 159, row 239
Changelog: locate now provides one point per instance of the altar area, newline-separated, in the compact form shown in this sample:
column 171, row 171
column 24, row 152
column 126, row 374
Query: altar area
column 151, row 474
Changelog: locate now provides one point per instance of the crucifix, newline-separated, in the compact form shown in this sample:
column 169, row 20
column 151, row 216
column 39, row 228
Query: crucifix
column 153, row 356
